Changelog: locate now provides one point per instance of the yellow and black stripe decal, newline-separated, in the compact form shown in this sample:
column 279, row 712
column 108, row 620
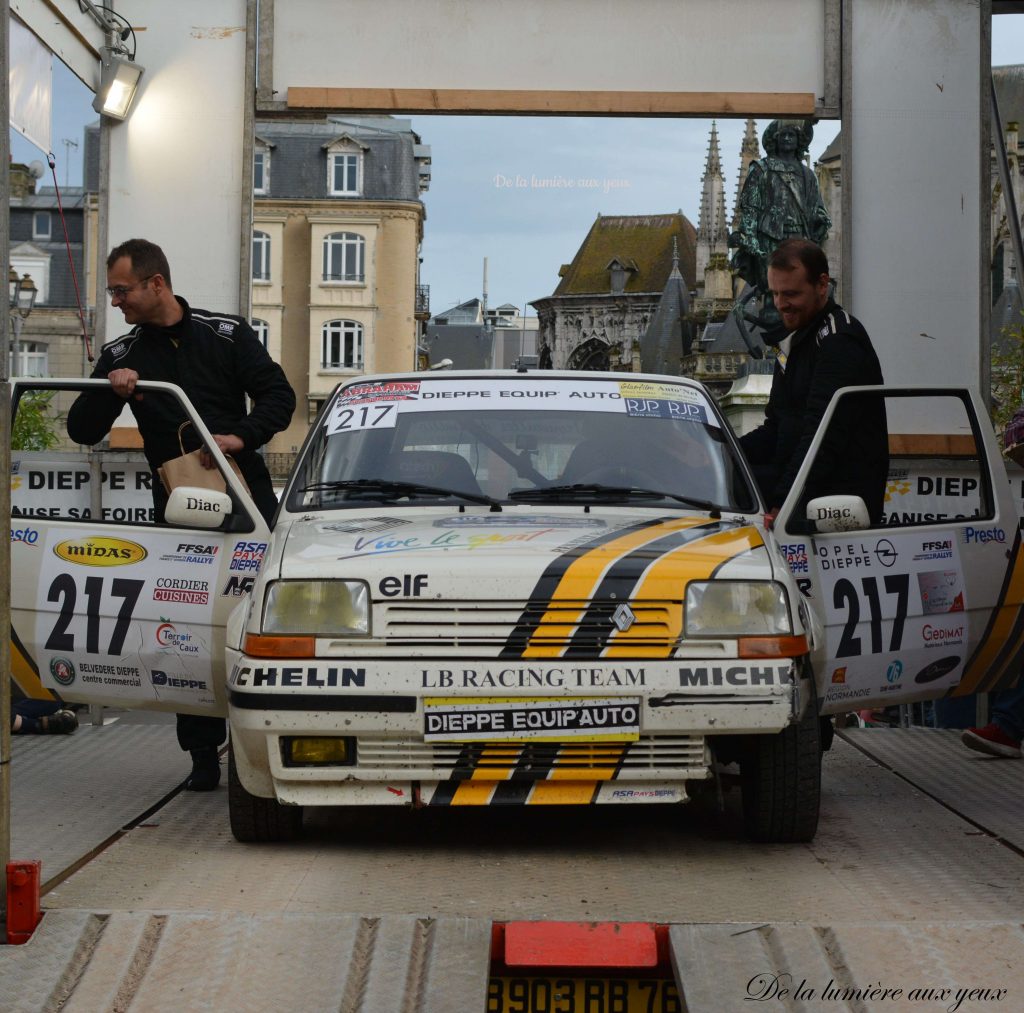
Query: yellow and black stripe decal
column 561, row 569
column 25, row 672
column 536, row 774
column 668, row 575
column 619, row 580
column 572, row 578
column 996, row 661
column 650, row 562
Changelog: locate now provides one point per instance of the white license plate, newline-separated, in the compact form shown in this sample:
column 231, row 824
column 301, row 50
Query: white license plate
column 515, row 719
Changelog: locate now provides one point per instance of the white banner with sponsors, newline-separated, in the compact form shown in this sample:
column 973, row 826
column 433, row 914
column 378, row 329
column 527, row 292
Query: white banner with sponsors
column 377, row 405
column 896, row 607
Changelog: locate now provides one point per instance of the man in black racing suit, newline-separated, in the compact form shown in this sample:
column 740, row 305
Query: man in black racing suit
column 217, row 360
column 824, row 348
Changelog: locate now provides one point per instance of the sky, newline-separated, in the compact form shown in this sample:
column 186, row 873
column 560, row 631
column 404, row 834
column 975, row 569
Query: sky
column 524, row 191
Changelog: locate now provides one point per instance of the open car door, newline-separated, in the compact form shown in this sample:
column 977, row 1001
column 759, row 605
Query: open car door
column 108, row 607
column 926, row 603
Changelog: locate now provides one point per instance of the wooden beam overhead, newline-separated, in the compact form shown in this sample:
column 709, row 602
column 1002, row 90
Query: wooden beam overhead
column 550, row 103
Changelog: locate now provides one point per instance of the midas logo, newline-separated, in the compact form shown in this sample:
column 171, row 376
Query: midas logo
column 100, row 551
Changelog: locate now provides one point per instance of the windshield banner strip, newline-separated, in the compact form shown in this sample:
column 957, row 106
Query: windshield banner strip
column 377, row 405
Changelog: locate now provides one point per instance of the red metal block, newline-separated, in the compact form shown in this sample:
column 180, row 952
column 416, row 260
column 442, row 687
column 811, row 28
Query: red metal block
column 22, row 900
column 581, row 944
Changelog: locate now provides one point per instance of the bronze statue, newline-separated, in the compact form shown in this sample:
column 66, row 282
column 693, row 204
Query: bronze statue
column 780, row 200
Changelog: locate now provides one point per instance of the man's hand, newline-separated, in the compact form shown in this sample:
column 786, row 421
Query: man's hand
column 123, row 381
column 769, row 518
column 228, row 443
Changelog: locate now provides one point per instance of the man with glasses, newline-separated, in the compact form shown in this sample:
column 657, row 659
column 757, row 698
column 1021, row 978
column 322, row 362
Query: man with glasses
column 218, row 361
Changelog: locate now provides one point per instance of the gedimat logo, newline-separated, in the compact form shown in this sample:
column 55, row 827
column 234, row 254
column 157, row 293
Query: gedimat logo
column 100, row 550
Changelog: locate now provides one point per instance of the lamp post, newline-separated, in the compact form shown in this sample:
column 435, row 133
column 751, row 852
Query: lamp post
column 22, row 297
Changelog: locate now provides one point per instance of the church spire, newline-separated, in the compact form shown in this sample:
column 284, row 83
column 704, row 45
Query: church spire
column 712, row 232
column 750, row 151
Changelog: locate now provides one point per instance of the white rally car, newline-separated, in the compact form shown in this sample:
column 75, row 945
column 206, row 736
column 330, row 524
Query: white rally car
column 533, row 588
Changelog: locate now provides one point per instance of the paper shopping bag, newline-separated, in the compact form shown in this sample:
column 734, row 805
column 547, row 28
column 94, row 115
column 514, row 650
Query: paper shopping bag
column 188, row 470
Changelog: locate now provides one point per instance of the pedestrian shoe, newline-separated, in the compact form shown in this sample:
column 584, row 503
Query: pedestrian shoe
column 60, row 722
column 992, row 740
column 205, row 774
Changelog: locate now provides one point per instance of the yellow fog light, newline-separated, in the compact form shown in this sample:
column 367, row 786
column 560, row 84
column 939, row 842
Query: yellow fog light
column 308, row 751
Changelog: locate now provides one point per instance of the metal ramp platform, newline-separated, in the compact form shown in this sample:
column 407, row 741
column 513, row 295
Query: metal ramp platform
column 79, row 962
column 915, row 880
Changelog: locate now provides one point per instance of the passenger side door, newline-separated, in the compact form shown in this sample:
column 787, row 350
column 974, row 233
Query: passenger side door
column 926, row 603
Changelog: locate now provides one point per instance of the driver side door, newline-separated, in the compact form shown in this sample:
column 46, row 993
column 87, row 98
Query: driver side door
column 108, row 607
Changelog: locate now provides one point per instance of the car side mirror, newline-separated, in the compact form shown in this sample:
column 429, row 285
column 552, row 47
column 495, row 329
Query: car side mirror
column 192, row 507
column 827, row 514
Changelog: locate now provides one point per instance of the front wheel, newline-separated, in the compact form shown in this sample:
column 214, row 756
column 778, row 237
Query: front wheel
column 781, row 782
column 256, row 820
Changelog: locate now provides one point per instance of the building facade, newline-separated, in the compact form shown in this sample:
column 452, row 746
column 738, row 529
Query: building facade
column 337, row 229
column 50, row 342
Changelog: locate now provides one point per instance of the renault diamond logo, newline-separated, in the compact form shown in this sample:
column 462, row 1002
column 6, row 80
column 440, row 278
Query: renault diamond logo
column 623, row 618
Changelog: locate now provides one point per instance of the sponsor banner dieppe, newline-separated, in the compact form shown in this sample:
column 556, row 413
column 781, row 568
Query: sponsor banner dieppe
column 931, row 491
column 48, row 484
column 509, row 718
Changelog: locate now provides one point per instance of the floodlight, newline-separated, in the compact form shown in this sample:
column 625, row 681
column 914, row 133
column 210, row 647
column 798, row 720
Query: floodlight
column 119, row 79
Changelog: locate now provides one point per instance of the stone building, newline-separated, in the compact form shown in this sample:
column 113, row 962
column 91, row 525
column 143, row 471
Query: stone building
column 607, row 296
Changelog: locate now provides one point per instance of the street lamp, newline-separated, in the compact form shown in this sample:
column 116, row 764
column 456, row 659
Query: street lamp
column 22, row 297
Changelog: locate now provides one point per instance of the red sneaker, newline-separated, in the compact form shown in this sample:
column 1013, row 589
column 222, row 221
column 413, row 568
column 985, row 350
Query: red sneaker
column 992, row 740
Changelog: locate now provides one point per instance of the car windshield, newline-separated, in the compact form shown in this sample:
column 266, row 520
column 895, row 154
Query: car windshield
column 517, row 440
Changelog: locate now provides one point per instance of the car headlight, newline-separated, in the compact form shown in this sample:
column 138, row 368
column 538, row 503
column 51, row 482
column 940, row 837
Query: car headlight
column 736, row 608
column 317, row 608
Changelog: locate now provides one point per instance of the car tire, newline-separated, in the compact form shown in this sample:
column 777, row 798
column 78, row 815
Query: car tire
column 256, row 820
column 780, row 777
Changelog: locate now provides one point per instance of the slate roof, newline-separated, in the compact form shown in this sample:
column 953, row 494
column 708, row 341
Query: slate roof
column 61, row 291
column 1009, row 81
column 669, row 333
column 644, row 239
column 298, row 161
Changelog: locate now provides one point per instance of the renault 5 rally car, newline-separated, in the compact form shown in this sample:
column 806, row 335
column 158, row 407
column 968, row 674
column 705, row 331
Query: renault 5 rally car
column 530, row 588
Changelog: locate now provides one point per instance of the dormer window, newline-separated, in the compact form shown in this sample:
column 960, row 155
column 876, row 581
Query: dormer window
column 619, row 273
column 345, row 167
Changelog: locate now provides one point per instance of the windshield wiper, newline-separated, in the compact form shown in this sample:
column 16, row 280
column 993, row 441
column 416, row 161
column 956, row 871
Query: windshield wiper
column 597, row 489
column 396, row 489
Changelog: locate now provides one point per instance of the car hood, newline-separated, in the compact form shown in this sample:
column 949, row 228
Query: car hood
column 635, row 553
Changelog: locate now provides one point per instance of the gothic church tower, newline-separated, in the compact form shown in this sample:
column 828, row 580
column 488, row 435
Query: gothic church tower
column 712, row 227
column 750, row 151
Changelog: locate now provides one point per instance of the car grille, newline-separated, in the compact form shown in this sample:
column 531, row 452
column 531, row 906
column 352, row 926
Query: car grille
column 584, row 624
column 651, row 756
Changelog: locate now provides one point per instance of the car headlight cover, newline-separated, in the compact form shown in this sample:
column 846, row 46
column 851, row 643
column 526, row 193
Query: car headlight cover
column 736, row 608
column 317, row 608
